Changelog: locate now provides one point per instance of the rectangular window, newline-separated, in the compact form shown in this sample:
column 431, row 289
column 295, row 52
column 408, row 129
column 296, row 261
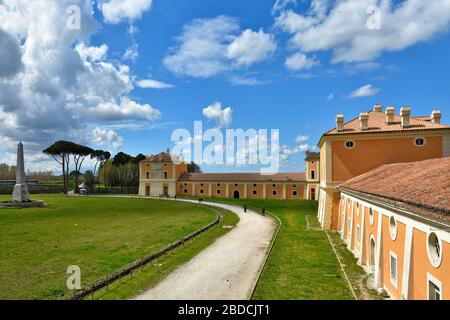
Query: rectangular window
column 165, row 175
column 255, row 192
column 201, row 191
column 148, row 175
column 313, row 174
column 218, row 191
column 274, row 193
column 294, row 193
column 185, row 190
column 434, row 288
column 394, row 267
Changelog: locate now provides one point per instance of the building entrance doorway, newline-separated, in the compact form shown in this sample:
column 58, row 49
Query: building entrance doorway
column 166, row 191
column 147, row 191
column 312, row 195
column 236, row 194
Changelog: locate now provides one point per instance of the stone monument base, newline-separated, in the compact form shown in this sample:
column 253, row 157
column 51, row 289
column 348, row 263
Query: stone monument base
column 20, row 205
column 20, row 193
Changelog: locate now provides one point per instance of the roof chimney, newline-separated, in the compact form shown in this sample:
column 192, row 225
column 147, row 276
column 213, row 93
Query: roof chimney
column 340, row 122
column 390, row 113
column 364, row 120
column 378, row 108
column 436, row 116
column 405, row 113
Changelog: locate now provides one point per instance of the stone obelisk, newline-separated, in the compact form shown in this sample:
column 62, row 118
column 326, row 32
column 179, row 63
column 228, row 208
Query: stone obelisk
column 20, row 193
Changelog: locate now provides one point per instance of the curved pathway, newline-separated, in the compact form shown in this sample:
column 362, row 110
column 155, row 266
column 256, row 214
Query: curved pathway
column 226, row 270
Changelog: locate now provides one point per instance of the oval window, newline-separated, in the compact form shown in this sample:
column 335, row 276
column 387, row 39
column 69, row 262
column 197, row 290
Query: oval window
column 393, row 228
column 420, row 142
column 350, row 144
column 434, row 250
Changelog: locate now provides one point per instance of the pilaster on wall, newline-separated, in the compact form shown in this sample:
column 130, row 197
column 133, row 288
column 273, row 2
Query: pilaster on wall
column 284, row 191
column 378, row 265
column 407, row 262
column 265, row 191
column 245, row 190
column 227, row 192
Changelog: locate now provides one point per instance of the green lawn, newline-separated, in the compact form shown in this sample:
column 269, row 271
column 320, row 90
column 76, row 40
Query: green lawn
column 159, row 269
column 99, row 235
column 302, row 264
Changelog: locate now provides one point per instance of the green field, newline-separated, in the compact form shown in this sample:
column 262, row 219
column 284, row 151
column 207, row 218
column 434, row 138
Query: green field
column 100, row 235
column 302, row 264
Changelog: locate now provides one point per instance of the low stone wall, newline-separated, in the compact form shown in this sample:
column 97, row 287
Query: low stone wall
column 33, row 189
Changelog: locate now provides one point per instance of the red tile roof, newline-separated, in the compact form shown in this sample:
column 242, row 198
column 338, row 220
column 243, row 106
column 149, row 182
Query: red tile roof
column 243, row 177
column 377, row 124
column 422, row 187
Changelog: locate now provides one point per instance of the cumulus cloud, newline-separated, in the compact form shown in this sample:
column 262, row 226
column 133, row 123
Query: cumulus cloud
column 64, row 84
column 365, row 91
column 153, row 84
column 116, row 11
column 107, row 138
column 126, row 110
column 222, row 116
column 299, row 61
column 210, row 46
column 251, row 47
column 344, row 27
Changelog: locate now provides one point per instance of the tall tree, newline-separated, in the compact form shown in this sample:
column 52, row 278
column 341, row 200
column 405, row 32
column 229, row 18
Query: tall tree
column 194, row 168
column 60, row 151
column 79, row 154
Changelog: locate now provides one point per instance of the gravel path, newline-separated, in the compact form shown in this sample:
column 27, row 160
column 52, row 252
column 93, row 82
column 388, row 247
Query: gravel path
column 226, row 270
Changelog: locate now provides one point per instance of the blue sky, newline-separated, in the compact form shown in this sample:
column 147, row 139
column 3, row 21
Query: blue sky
column 395, row 65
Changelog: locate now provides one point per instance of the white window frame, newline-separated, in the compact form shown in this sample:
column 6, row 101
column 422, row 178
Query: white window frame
column 436, row 282
column 394, row 282
column 434, row 262
column 393, row 230
column 371, row 216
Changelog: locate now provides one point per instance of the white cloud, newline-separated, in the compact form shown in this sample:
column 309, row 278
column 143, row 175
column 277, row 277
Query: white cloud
column 299, row 61
column 94, row 54
column 210, row 46
column 222, row 116
column 364, row 91
column 341, row 27
column 246, row 81
column 251, row 47
column 116, row 11
column 132, row 52
column 301, row 138
column 281, row 5
column 127, row 110
column 108, row 138
column 330, row 97
column 153, row 84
